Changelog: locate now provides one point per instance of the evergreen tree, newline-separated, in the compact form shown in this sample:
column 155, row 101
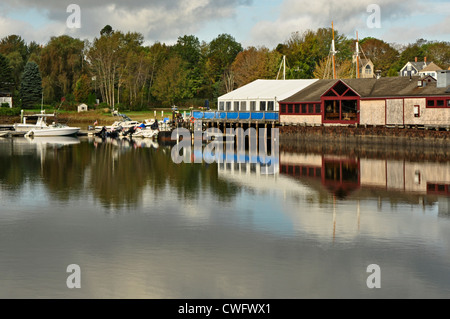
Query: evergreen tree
column 6, row 79
column 31, row 85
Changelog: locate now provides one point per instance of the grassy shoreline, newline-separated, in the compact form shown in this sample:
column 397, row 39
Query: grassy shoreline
column 89, row 117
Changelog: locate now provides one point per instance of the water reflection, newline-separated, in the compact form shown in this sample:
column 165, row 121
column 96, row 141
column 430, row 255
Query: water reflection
column 114, row 171
column 307, row 229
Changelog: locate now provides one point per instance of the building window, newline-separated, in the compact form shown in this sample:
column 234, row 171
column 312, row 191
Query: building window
column 283, row 108
column 228, row 106
column 221, row 106
column 270, row 106
column 252, row 106
column 304, row 108
column 440, row 103
column 368, row 69
column 311, row 108
column 430, row 103
column 244, row 106
column 318, row 110
column 416, row 111
column 262, row 105
column 290, row 108
column 297, row 108
column 236, row 106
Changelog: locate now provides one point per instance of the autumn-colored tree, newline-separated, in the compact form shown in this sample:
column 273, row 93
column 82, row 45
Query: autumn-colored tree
column 61, row 64
column 382, row 54
column 82, row 89
column 255, row 63
column 324, row 69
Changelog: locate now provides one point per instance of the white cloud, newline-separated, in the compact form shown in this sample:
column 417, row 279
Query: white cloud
column 348, row 16
column 157, row 20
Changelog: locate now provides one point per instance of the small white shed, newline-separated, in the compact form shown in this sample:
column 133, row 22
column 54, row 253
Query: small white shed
column 82, row 108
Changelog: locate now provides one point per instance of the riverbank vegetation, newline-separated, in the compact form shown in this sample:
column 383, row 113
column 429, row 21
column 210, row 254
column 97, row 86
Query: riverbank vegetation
column 117, row 70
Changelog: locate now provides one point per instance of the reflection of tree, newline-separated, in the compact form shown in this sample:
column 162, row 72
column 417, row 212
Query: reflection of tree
column 119, row 178
column 63, row 169
column 187, row 179
column 117, row 175
column 15, row 170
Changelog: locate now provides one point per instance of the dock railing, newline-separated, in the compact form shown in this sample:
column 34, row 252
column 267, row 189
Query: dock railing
column 228, row 116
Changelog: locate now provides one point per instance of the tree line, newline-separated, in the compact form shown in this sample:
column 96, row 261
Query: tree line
column 117, row 69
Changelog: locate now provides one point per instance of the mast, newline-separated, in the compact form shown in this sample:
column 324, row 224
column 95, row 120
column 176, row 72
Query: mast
column 282, row 65
column 333, row 51
column 357, row 55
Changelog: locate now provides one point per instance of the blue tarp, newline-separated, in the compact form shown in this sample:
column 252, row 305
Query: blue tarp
column 244, row 115
column 197, row 115
column 271, row 116
column 258, row 116
column 209, row 115
column 232, row 115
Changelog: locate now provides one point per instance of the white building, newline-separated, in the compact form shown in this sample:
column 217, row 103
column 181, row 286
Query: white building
column 261, row 95
column 6, row 97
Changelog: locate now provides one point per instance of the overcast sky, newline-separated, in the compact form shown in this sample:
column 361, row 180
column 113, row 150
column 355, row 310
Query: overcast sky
column 251, row 22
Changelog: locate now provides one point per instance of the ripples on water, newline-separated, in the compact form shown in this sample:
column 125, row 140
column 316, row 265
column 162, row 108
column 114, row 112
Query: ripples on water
column 141, row 226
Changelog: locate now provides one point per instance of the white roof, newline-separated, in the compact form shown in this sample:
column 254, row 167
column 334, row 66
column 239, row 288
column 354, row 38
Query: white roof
column 268, row 89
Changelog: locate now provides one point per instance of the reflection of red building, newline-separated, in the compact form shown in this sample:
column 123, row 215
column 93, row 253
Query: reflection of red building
column 340, row 176
column 438, row 189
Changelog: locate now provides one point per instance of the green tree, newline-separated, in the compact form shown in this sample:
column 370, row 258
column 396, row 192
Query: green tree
column 172, row 82
column 15, row 49
column 439, row 53
column 6, row 79
column 305, row 50
column 221, row 54
column 31, row 85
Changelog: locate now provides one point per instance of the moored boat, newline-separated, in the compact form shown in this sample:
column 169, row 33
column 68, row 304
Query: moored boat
column 41, row 128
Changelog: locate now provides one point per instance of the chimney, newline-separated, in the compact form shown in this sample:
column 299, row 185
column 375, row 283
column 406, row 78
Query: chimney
column 443, row 79
column 378, row 74
column 415, row 59
column 425, row 59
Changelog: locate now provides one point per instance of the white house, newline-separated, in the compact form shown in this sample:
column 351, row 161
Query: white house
column 413, row 68
column 431, row 69
column 261, row 95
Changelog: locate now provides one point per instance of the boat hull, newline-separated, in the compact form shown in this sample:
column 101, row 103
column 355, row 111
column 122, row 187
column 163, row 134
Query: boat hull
column 67, row 131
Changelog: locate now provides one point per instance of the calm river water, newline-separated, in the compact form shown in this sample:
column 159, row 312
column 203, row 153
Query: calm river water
column 140, row 226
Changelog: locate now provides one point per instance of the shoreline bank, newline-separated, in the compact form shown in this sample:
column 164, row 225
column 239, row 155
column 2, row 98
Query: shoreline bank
column 365, row 135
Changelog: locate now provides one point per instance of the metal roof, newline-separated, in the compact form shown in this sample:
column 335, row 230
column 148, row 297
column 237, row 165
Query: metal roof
column 268, row 90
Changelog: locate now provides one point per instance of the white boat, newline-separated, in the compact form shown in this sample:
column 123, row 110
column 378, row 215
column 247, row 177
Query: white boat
column 145, row 133
column 123, row 124
column 4, row 134
column 41, row 128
